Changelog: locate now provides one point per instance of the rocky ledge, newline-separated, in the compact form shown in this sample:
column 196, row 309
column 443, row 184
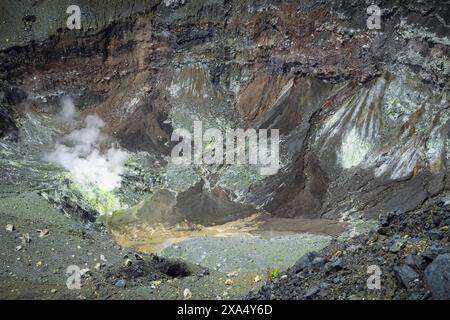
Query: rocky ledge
column 410, row 252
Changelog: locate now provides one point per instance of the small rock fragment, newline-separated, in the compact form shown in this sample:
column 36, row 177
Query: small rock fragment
column 84, row 271
column 385, row 219
column 304, row 262
column 312, row 292
column 435, row 234
column 406, row 276
column 334, row 266
column 128, row 263
column 415, row 261
column 25, row 238
column 138, row 256
column 10, row 227
column 187, row 294
column 396, row 246
column 232, row 274
column 373, row 238
column 318, row 262
column 43, row 233
column 121, row 283
column 156, row 283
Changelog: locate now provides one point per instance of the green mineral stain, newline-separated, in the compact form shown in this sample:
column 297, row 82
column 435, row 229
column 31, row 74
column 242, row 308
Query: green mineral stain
column 105, row 202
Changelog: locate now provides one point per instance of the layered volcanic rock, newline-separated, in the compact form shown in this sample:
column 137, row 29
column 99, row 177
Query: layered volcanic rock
column 362, row 113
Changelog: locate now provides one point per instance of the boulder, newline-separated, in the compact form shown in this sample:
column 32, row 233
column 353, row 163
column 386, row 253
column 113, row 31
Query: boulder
column 406, row 276
column 416, row 261
column 174, row 268
column 304, row 262
column 334, row 266
column 433, row 251
column 435, row 234
column 437, row 277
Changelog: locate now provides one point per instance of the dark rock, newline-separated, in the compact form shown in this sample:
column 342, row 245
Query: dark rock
column 311, row 292
column 436, row 220
column 8, row 126
column 406, row 276
column 318, row 263
column 304, row 262
column 375, row 229
column 338, row 279
column 29, row 18
column 174, row 268
column 383, row 231
column 437, row 277
column 136, row 270
column 414, row 296
column 138, row 256
column 433, row 251
column 334, row 266
column 324, row 285
column 435, row 234
column 415, row 261
column 385, row 219
column 14, row 95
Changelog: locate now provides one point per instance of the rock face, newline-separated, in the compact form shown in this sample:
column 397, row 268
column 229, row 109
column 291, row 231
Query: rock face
column 9, row 96
column 7, row 125
column 195, row 205
column 362, row 113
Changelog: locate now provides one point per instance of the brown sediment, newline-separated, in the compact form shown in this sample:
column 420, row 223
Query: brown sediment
column 303, row 225
column 154, row 238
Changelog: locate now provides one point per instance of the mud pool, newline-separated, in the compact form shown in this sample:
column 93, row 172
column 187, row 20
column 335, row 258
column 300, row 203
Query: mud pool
column 227, row 249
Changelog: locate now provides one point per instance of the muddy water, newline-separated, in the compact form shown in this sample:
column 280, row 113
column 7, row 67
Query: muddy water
column 251, row 244
column 156, row 237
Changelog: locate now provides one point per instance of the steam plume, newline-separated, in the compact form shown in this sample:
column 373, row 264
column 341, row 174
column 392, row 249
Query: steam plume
column 80, row 153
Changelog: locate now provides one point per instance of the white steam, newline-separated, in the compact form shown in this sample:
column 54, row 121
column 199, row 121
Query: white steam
column 68, row 111
column 80, row 152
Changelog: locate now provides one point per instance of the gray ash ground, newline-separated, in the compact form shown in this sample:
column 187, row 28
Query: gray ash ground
column 246, row 253
column 411, row 249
